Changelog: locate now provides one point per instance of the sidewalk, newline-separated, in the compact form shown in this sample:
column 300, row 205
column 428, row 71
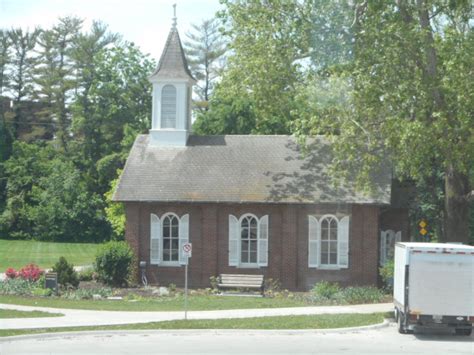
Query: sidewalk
column 76, row 317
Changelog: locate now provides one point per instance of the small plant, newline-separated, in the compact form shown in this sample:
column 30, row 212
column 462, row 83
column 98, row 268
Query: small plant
column 11, row 273
column 18, row 287
column 67, row 276
column 88, row 293
column 214, row 281
column 386, row 273
column 326, row 289
column 172, row 287
column 113, row 263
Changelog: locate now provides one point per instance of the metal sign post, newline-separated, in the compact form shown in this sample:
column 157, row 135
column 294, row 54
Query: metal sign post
column 187, row 250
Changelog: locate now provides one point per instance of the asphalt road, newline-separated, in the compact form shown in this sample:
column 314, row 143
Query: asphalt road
column 377, row 341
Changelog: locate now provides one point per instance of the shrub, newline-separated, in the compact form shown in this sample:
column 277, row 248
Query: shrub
column 357, row 295
column 113, row 263
column 87, row 275
column 386, row 273
column 326, row 289
column 11, row 273
column 30, row 272
column 67, row 276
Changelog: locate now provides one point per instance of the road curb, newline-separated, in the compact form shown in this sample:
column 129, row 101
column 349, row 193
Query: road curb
column 269, row 332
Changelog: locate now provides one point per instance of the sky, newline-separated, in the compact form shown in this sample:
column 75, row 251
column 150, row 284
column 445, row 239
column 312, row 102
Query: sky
column 144, row 22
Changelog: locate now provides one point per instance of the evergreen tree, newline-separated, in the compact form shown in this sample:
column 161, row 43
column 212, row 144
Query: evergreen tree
column 21, row 78
column 205, row 50
column 55, row 74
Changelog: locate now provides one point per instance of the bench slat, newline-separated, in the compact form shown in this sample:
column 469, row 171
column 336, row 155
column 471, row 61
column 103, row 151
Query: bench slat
column 241, row 281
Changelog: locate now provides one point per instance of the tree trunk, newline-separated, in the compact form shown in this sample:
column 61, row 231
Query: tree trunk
column 456, row 207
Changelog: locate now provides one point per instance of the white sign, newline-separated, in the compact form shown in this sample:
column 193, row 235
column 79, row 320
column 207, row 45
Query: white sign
column 187, row 249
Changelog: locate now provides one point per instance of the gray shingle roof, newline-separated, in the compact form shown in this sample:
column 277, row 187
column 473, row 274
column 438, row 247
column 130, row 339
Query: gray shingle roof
column 239, row 169
column 173, row 64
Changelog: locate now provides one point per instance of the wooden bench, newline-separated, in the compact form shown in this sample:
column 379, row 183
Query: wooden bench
column 239, row 281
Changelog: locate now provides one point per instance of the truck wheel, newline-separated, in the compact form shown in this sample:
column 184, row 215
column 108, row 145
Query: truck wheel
column 396, row 314
column 401, row 326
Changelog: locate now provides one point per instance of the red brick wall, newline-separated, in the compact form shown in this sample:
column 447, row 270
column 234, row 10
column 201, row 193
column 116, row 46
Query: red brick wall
column 288, row 242
column 396, row 219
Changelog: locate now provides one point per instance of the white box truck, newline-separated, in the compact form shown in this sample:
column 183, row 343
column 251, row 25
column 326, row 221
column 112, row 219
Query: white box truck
column 434, row 286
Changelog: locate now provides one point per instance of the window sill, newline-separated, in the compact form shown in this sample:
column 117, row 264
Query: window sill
column 327, row 267
column 169, row 264
column 248, row 266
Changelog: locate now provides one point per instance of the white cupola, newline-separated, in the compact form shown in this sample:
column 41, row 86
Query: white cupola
column 172, row 90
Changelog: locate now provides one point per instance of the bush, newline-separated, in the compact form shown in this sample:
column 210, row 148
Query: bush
column 326, row 289
column 358, row 295
column 30, row 272
column 331, row 293
column 67, row 276
column 113, row 263
column 386, row 273
column 11, row 273
column 87, row 275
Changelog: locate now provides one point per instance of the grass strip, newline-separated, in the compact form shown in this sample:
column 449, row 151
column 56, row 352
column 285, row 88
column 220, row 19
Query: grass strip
column 172, row 303
column 11, row 313
column 18, row 253
column 322, row 321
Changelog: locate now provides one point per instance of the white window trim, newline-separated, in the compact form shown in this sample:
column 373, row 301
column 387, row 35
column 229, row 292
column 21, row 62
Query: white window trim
column 262, row 242
column 241, row 264
column 161, row 262
column 319, row 265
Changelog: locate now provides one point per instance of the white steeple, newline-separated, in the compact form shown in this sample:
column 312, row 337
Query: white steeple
column 172, row 89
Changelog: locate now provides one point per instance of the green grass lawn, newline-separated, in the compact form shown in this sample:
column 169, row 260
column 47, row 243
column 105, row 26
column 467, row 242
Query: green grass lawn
column 18, row 253
column 323, row 321
column 195, row 303
column 11, row 313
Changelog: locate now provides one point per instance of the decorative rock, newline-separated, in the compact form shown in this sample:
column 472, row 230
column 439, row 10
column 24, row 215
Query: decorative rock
column 115, row 298
column 96, row 297
column 163, row 291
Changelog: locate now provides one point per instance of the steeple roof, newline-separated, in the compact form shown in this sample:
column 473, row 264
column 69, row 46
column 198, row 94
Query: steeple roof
column 173, row 64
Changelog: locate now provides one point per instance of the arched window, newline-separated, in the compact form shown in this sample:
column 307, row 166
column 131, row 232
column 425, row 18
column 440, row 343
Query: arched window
column 248, row 241
column 329, row 241
column 168, row 107
column 167, row 237
column 170, row 238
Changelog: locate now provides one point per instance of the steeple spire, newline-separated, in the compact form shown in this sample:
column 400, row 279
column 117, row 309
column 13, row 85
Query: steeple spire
column 175, row 20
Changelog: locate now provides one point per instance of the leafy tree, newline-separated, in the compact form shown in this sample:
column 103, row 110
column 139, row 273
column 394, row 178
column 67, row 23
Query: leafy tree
column 412, row 98
column 268, row 40
column 205, row 49
column 119, row 96
column 47, row 198
column 115, row 211
column 88, row 46
column 226, row 115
